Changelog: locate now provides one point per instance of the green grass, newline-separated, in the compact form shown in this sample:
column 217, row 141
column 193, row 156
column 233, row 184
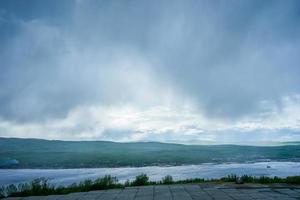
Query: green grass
column 40, row 187
column 263, row 179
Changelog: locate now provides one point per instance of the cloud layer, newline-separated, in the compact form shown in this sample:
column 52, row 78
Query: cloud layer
column 134, row 70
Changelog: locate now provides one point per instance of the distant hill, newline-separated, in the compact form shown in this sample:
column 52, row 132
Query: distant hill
column 35, row 153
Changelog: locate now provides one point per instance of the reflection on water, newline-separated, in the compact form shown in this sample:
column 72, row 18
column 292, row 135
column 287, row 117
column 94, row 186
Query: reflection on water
column 68, row 176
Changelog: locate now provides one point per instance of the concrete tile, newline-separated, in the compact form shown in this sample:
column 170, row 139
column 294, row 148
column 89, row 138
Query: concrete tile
column 178, row 192
column 35, row 198
column 162, row 197
column 53, row 197
column 289, row 192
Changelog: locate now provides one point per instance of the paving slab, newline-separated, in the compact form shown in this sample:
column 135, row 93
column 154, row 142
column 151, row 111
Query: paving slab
column 182, row 192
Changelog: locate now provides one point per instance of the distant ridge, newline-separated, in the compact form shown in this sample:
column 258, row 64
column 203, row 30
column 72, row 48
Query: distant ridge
column 174, row 142
column 39, row 153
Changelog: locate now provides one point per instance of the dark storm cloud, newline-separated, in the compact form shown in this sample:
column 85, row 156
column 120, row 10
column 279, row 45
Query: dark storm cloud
column 228, row 55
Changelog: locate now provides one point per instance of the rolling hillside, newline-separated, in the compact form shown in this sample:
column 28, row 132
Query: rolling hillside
column 35, row 153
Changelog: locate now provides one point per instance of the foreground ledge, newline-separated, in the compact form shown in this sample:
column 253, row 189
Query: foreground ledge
column 205, row 191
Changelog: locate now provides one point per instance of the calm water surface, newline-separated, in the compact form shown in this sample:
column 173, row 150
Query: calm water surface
column 68, row 176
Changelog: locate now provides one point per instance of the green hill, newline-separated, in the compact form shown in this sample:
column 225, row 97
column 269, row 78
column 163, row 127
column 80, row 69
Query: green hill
column 35, row 153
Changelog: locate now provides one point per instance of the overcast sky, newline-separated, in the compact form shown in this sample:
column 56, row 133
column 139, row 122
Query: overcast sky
column 203, row 71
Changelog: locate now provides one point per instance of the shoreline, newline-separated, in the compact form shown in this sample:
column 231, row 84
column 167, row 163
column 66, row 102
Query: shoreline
column 207, row 171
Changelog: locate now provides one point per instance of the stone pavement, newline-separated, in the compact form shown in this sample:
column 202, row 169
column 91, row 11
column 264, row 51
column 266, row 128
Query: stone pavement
column 183, row 192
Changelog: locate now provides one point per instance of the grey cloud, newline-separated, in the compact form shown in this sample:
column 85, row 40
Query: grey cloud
column 229, row 56
column 235, row 57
